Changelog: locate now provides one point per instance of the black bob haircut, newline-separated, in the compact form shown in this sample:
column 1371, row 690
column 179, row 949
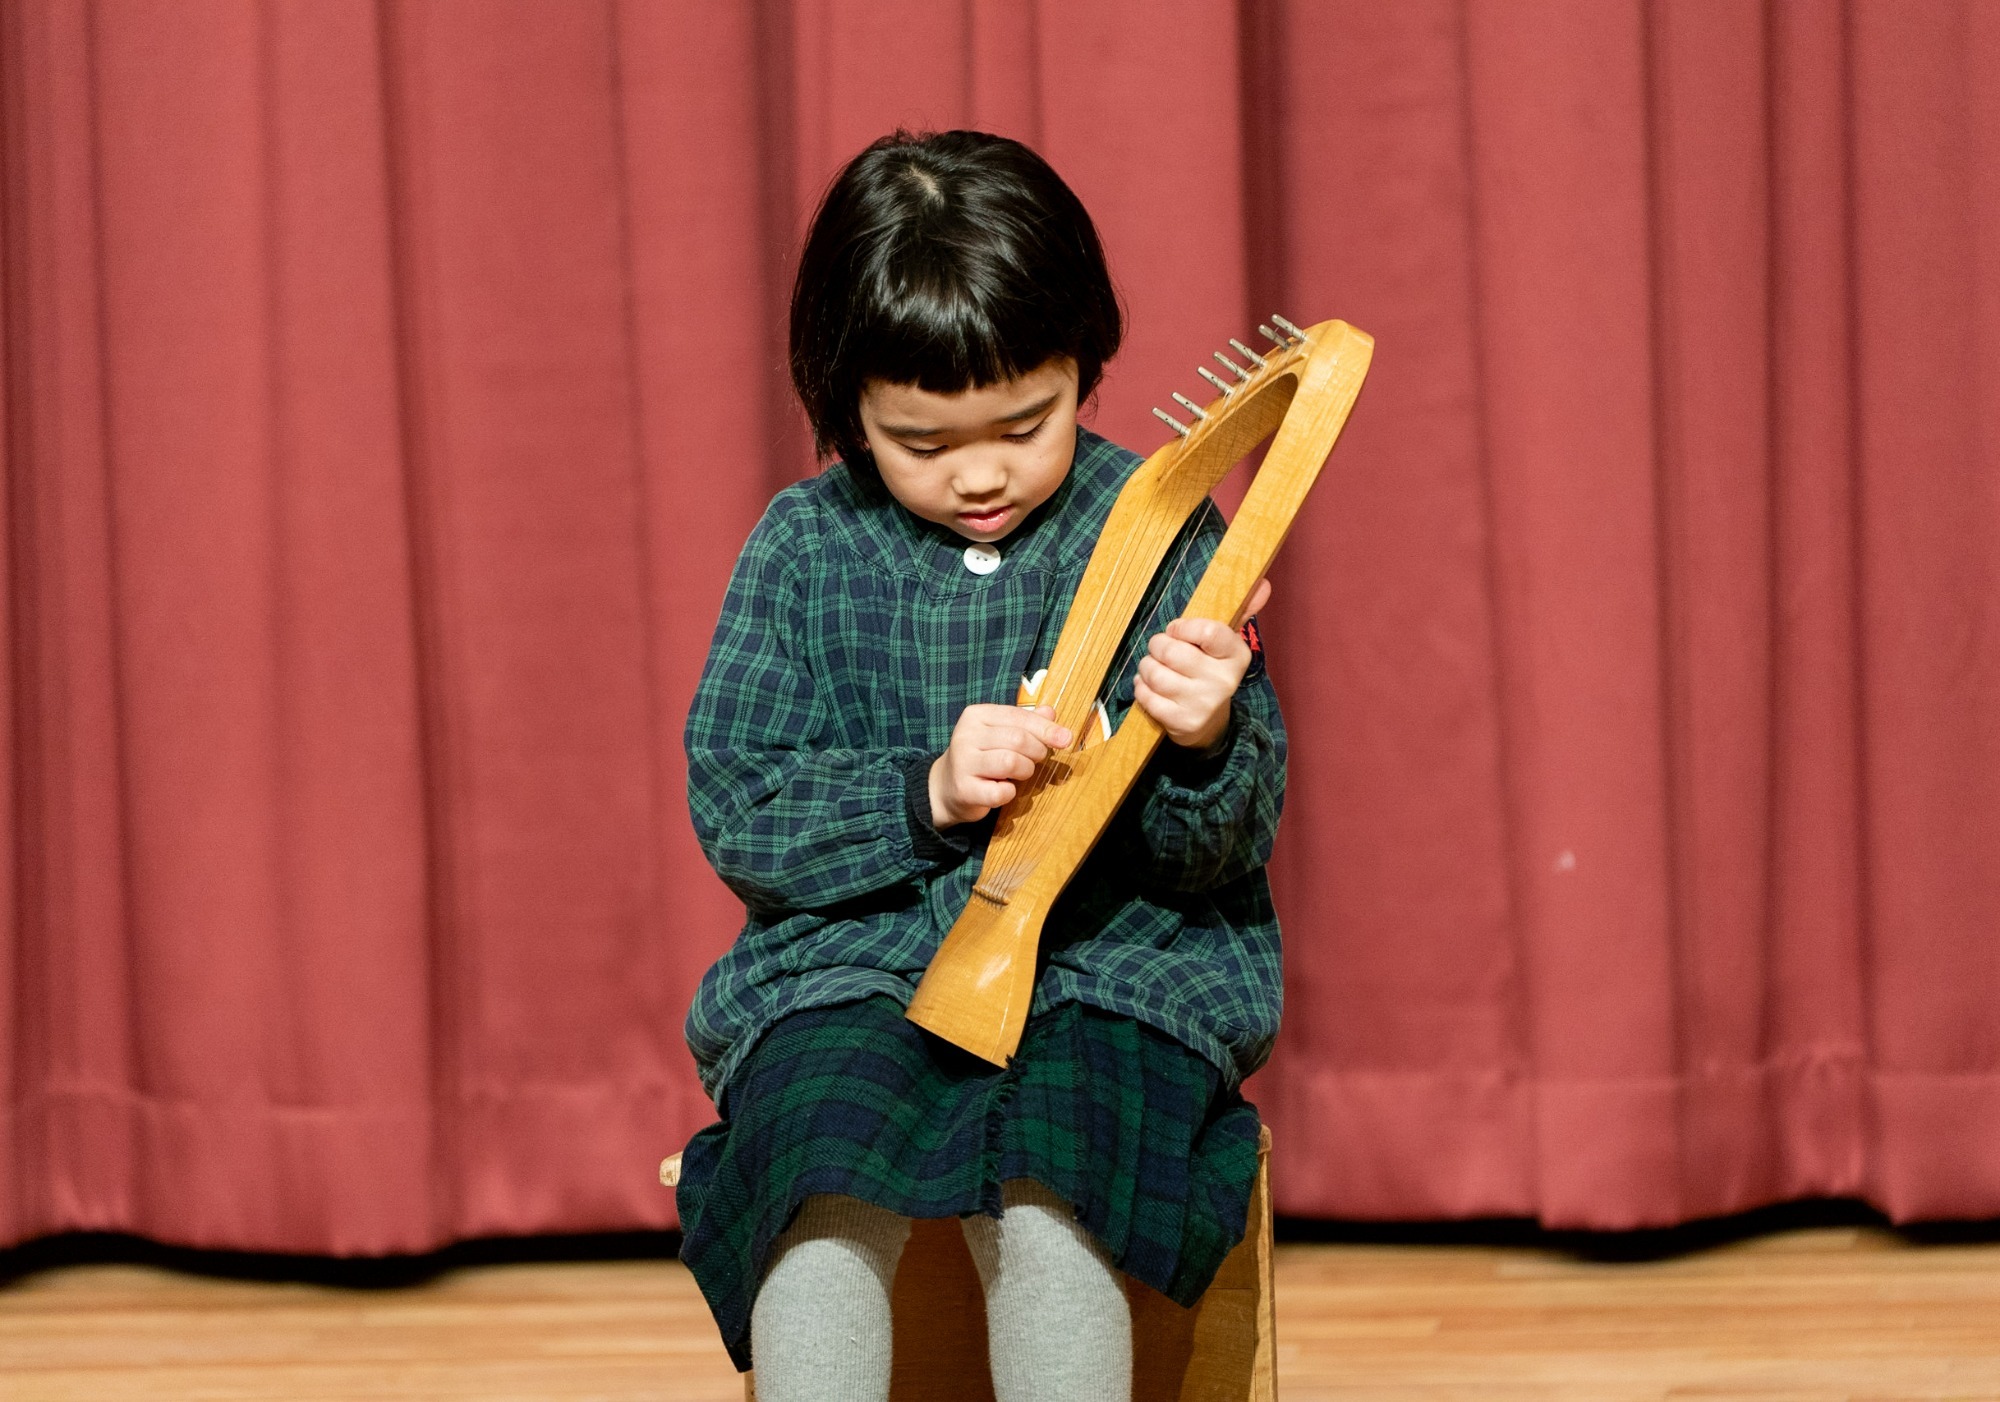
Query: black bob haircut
column 945, row 260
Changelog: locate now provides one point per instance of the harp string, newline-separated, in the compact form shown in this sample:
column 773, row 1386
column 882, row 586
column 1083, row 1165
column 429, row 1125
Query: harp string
column 1162, row 595
column 1128, row 564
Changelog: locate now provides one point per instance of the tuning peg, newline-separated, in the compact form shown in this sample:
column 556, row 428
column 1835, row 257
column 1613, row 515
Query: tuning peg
column 1273, row 337
column 1171, row 422
column 1190, row 405
column 1287, row 327
column 1245, row 350
column 1237, row 370
column 1215, row 379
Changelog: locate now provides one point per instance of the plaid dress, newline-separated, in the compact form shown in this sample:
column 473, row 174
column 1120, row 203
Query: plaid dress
column 852, row 636
column 1123, row 1123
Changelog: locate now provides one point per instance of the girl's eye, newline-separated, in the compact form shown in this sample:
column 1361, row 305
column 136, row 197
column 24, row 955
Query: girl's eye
column 916, row 452
column 1026, row 435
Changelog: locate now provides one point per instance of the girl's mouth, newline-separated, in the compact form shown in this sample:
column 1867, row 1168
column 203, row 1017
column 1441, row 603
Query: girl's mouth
column 985, row 521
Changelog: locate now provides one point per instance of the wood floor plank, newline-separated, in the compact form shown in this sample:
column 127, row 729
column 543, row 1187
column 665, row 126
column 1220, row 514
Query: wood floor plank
column 1810, row 1316
column 1829, row 1315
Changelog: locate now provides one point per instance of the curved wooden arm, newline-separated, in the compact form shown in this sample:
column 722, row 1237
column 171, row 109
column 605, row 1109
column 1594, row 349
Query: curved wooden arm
column 979, row 984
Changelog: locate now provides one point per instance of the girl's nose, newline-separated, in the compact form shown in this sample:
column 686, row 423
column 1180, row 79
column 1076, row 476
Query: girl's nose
column 979, row 475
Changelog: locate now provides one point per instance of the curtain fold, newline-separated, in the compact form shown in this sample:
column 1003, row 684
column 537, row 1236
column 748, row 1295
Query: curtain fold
column 389, row 386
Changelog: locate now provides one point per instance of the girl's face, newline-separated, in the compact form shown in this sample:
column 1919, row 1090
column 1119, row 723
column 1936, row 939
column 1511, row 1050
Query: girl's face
column 978, row 460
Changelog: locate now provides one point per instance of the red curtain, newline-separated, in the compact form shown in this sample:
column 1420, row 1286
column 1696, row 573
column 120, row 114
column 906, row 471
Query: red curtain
column 388, row 387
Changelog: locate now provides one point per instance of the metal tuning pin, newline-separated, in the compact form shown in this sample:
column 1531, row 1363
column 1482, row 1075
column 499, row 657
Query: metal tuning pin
column 1190, row 405
column 1242, row 349
column 1215, row 379
column 1287, row 327
column 1273, row 337
column 1171, row 422
column 1237, row 370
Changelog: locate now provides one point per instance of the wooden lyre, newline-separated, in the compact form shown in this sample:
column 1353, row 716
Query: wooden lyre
column 977, row 989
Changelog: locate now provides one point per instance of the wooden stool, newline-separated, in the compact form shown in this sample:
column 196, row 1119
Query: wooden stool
column 1222, row 1350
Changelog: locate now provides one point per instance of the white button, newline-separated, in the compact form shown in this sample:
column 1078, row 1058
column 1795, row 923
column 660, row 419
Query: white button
column 982, row 558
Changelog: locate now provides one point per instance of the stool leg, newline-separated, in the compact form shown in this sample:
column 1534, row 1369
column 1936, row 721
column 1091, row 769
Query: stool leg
column 1264, row 1367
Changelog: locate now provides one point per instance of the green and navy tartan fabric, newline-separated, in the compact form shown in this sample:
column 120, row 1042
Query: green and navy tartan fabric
column 1132, row 1129
column 852, row 636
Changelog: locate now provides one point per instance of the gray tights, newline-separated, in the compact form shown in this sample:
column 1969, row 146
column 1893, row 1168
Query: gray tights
column 1058, row 1327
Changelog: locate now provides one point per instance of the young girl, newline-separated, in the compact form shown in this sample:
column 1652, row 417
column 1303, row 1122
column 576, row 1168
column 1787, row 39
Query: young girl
column 853, row 734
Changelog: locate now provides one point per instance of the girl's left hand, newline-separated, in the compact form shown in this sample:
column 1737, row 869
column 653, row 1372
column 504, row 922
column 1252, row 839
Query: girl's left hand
column 1191, row 671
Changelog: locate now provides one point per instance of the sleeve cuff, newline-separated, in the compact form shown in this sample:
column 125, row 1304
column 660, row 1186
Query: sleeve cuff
column 926, row 842
column 1196, row 770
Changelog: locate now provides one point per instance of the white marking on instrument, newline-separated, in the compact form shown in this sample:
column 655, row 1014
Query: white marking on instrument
column 1190, row 405
column 1245, row 350
column 1215, row 379
column 1288, row 328
column 1030, row 696
column 1237, row 370
column 1173, row 423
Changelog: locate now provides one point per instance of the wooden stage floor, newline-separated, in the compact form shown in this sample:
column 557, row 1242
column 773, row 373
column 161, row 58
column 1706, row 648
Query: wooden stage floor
column 1805, row 1315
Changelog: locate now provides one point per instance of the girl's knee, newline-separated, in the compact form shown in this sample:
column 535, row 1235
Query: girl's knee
column 873, row 1232
column 1037, row 1232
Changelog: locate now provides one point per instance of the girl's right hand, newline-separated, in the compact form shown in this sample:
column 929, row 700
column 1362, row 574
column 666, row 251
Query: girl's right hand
column 993, row 749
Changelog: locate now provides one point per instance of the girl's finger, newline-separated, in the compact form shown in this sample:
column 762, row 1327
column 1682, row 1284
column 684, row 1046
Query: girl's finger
column 1041, row 724
column 1165, row 682
column 1166, row 714
column 1018, row 739
column 1216, row 639
column 1173, row 651
column 1189, row 660
column 1002, row 763
column 1259, row 597
column 1036, row 738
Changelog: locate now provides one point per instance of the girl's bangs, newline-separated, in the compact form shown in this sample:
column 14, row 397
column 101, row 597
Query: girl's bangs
column 945, row 340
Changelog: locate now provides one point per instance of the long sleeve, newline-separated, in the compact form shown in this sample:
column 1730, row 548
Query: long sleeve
column 1195, row 823
column 788, row 820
